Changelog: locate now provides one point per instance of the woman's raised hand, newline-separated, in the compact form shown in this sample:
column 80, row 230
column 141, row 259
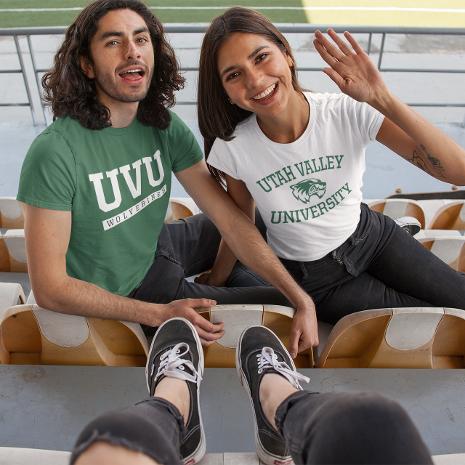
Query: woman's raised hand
column 350, row 67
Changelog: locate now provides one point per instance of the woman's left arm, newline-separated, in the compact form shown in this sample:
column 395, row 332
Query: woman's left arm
column 403, row 130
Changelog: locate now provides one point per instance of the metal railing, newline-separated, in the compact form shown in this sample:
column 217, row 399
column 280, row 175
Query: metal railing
column 379, row 32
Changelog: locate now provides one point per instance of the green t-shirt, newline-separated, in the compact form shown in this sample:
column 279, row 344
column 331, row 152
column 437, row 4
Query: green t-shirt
column 116, row 182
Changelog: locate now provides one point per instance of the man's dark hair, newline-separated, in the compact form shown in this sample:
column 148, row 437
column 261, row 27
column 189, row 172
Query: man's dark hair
column 71, row 93
column 217, row 117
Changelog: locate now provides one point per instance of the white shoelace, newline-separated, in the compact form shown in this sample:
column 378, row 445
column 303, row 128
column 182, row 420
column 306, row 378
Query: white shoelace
column 172, row 365
column 268, row 359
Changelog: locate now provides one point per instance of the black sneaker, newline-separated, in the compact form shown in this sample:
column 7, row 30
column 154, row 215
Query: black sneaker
column 259, row 352
column 176, row 352
column 409, row 224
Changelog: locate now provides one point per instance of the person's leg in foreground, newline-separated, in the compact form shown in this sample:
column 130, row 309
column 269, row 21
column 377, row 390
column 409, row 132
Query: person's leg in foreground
column 165, row 429
column 291, row 424
column 313, row 428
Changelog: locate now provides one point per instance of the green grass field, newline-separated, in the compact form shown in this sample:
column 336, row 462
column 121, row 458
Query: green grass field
column 186, row 14
column 432, row 13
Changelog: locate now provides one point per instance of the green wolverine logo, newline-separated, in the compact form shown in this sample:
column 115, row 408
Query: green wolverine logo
column 304, row 190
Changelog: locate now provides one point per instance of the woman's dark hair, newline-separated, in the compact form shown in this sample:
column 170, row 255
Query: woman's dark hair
column 217, row 116
column 71, row 93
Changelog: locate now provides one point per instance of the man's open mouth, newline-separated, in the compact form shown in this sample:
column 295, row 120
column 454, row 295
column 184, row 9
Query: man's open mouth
column 132, row 74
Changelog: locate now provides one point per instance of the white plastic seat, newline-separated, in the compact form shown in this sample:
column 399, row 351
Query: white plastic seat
column 397, row 208
column 437, row 233
column 450, row 216
column 30, row 334
column 180, row 207
column 431, row 207
column 397, row 338
column 13, row 251
column 11, row 294
column 450, row 250
column 236, row 318
column 11, row 215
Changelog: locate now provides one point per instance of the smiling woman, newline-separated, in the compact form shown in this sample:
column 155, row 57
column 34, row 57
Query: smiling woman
column 300, row 156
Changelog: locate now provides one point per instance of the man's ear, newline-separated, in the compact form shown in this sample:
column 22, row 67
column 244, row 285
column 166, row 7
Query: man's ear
column 87, row 67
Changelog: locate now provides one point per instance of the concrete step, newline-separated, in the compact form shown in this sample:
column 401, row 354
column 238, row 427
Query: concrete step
column 20, row 456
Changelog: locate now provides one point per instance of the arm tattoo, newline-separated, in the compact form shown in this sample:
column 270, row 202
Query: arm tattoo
column 427, row 162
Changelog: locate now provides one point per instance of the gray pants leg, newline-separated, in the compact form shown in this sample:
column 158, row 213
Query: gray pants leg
column 349, row 429
column 188, row 247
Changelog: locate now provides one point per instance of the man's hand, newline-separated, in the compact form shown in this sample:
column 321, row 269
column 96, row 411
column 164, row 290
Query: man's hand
column 304, row 330
column 185, row 308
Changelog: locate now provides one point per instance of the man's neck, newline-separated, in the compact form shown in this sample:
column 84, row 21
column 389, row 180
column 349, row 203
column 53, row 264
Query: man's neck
column 123, row 115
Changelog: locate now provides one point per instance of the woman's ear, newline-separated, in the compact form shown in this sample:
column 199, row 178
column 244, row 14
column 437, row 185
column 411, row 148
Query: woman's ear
column 290, row 61
column 87, row 67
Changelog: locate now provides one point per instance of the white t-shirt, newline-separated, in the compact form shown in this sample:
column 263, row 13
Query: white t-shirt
column 308, row 191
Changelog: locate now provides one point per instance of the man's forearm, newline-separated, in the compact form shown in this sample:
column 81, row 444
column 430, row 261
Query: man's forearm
column 249, row 247
column 77, row 297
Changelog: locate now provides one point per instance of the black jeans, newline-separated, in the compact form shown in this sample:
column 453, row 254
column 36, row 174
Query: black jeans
column 328, row 428
column 379, row 266
column 188, row 247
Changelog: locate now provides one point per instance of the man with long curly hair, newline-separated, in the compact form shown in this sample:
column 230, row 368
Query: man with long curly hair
column 95, row 187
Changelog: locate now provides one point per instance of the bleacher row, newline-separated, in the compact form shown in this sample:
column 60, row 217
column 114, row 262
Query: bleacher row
column 16, row 456
column 391, row 337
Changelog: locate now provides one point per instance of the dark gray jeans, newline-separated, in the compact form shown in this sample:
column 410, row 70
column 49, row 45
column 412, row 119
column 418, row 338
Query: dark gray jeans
column 188, row 247
column 327, row 428
column 379, row 266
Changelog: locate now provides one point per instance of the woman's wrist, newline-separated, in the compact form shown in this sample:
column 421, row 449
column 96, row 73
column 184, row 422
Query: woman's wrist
column 382, row 100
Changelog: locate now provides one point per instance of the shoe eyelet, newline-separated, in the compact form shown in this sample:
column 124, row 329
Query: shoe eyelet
column 181, row 367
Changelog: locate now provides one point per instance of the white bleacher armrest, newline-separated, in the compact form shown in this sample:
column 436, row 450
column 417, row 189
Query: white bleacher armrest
column 236, row 318
column 421, row 327
column 11, row 294
column 61, row 329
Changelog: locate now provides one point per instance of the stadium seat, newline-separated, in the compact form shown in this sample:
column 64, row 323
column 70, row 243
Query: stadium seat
column 437, row 234
column 397, row 338
column 397, row 208
column 236, row 318
column 11, row 294
column 180, row 207
column 431, row 207
column 13, row 251
column 11, row 215
column 451, row 250
column 450, row 216
column 32, row 335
